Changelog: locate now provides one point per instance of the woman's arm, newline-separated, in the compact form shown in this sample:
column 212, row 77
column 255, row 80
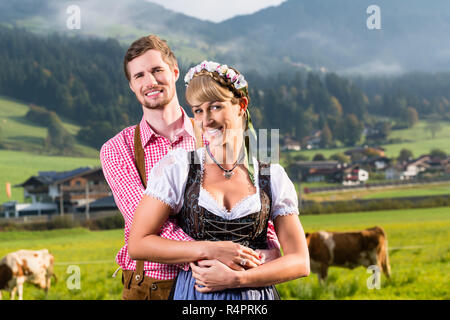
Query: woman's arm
column 144, row 242
column 293, row 264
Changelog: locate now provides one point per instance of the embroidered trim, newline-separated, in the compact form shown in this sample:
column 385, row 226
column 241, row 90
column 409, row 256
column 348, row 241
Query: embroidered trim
column 159, row 197
column 285, row 212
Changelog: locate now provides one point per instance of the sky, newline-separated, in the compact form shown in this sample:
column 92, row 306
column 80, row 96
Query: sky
column 216, row 10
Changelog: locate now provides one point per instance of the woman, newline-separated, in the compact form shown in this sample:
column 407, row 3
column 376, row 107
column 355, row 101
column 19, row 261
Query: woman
column 221, row 193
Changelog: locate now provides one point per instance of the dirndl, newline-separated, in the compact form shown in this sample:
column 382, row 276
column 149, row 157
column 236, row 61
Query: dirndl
column 184, row 290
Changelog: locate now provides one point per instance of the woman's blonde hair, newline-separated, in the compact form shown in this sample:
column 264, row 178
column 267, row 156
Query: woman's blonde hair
column 208, row 86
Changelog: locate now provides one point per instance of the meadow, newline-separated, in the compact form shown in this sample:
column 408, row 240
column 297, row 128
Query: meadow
column 434, row 189
column 419, row 243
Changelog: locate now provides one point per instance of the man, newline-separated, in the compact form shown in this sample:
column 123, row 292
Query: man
column 152, row 71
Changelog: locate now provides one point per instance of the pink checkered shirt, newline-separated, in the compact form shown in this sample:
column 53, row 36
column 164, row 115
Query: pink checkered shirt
column 117, row 158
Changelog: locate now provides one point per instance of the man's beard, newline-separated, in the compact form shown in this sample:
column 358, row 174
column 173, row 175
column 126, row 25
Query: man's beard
column 158, row 105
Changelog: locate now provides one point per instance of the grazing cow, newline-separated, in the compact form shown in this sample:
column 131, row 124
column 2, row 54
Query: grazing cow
column 32, row 266
column 348, row 250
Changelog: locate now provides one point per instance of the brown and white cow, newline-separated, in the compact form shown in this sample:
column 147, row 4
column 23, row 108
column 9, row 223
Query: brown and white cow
column 32, row 266
column 348, row 250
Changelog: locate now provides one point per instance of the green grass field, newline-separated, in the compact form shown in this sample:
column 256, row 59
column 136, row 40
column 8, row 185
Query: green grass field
column 391, row 192
column 419, row 242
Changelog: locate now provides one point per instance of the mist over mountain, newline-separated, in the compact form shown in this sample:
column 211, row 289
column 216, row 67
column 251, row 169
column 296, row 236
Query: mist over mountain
column 296, row 35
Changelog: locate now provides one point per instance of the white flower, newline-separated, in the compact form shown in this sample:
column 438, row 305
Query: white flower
column 223, row 69
column 240, row 82
column 231, row 74
column 212, row 66
column 198, row 68
column 189, row 75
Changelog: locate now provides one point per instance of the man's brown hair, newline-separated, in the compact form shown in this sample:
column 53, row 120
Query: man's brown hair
column 142, row 45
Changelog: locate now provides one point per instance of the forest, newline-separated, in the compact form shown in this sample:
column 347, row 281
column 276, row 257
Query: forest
column 81, row 79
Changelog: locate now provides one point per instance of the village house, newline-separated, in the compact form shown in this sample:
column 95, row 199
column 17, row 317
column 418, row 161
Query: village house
column 312, row 141
column 289, row 144
column 58, row 192
column 353, row 175
column 408, row 169
column 330, row 171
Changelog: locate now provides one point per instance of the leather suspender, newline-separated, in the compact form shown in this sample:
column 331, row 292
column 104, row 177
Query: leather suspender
column 139, row 158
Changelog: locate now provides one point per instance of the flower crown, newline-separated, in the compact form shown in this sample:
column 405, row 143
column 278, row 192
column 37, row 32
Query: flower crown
column 237, row 80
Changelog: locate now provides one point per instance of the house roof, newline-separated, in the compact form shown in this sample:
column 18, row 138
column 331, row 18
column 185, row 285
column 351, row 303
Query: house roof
column 102, row 203
column 51, row 177
column 318, row 164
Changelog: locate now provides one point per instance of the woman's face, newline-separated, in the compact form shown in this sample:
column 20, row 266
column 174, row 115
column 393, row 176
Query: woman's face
column 221, row 122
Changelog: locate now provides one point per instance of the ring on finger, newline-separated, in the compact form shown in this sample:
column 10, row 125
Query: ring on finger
column 243, row 262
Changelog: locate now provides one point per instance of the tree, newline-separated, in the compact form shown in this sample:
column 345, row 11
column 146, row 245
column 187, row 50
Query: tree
column 326, row 139
column 335, row 107
column 433, row 126
column 352, row 130
column 319, row 157
column 342, row 158
column 438, row 153
column 385, row 129
column 405, row 155
column 58, row 138
column 412, row 117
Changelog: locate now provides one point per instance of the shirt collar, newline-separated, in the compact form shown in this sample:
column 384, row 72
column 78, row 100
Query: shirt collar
column 147, row 132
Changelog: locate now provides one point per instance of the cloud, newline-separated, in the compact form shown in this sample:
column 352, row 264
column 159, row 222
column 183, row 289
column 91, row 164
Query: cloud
column 216, row 11
column 375, row 67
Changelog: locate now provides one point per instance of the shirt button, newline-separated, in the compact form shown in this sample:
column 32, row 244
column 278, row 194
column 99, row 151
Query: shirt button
column 138, row 277
column 154, row 286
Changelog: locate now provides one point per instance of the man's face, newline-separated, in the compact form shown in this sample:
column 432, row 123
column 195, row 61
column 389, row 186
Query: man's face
column 152, row 80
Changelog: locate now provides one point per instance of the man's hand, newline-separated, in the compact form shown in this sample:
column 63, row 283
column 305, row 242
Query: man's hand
column 234, row 255
column 213, row 275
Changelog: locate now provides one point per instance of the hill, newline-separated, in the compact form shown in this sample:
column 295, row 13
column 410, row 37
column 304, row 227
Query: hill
column 298, row 34
column 18, row 133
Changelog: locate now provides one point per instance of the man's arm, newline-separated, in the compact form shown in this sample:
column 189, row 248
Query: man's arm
column 145, row 241
column 128, row 190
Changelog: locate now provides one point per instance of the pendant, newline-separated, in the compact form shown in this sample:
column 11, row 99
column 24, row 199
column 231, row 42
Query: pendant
column 227, row 174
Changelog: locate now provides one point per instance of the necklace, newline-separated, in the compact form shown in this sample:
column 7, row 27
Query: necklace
column 227, row 172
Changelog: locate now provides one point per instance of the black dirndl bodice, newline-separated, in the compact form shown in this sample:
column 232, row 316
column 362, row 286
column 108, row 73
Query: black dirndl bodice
column 200, row 224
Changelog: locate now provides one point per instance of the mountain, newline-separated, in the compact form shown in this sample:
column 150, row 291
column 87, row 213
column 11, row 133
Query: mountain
column 334, row 34
column 298, row 34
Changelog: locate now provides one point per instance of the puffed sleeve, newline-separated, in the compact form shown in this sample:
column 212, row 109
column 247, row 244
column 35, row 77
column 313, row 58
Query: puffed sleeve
column 167, row 179
column 284, row 196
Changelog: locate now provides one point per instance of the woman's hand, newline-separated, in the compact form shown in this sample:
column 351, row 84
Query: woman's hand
column 213, row 275
column 234, row 255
